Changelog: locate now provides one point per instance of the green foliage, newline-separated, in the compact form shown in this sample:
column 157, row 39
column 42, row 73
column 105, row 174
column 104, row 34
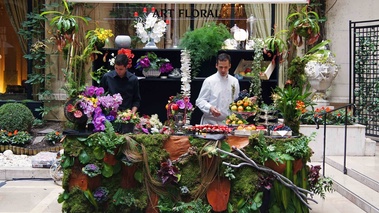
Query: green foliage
column 98, row 74
column 195, row 206
column 323, row 185
column 275, row 43
column 211, row 36
column 107, row 140
column 299, row 148
column 15, row 116
column 130, row 199
column 53, row 137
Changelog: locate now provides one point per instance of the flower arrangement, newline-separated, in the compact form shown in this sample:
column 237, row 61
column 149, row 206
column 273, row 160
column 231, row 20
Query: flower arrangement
column 152, row 61
column 97, row 106
column 150, row 124
column 127, row 117
column 127, row 52
column 179, row 103
column 333, row 118
column 91, row 170
column 150, row 27
column 53, row 137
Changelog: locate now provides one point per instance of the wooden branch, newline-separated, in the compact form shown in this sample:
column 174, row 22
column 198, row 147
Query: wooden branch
column 299, row 192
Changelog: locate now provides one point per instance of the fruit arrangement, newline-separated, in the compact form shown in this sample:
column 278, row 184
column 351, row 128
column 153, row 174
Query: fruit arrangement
column 243, row 103
column 247, row 72
column 234, row 119
column 207, row 128
column 280, row 127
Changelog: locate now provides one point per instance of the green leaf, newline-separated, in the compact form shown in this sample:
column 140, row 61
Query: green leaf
column 138, row 175
column 83, row 157
column 99, row 153
column 90, row 198
column 107, row 170
column 225, row 147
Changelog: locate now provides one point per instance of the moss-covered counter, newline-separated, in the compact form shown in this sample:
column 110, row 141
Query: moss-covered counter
column 106, row 172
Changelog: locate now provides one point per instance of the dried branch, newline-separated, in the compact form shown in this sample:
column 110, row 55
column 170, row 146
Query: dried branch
column 299, row 192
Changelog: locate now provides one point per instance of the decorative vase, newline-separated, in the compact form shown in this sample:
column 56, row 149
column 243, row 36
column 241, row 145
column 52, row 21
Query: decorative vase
column 148, row 72
column 321, row 75
column 180, row 121
column 123, row 41
column 150, row 44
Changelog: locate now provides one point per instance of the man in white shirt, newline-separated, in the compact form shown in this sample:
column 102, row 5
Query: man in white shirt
column 217, row 92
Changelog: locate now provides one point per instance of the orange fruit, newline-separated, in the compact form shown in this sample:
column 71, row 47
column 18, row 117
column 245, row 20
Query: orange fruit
column 245, row 104
column 240, row 109
column 239, row 103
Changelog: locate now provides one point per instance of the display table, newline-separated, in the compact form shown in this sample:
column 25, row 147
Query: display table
column 146, row 173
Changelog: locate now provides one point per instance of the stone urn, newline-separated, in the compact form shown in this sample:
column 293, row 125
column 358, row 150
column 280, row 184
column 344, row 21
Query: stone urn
column 320, row 74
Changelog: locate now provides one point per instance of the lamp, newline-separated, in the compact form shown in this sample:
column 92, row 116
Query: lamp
column 240, row 35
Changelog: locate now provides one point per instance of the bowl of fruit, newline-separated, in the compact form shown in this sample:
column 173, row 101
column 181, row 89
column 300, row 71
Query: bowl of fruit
column 244, row 105
column 234, row 120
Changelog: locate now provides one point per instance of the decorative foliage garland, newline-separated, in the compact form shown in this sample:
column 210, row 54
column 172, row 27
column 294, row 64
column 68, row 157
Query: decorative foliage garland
column 186, row 72
column 255, row 82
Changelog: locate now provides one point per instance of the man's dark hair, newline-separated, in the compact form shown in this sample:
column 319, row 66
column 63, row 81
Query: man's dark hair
column 224, row 57
column 121, row 60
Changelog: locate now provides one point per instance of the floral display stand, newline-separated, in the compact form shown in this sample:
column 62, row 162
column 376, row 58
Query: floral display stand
column 146, row 173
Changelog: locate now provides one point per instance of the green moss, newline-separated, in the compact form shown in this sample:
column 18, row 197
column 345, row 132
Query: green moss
column 190, row 173
column 77, row 202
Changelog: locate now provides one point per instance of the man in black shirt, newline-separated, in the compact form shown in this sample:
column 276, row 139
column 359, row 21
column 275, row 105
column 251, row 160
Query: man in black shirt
column 121, row 81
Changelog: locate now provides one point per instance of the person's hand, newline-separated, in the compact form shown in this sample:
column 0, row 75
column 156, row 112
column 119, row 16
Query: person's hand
column 214, row 111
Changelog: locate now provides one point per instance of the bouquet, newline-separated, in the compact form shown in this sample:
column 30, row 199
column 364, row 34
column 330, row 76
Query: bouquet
column 127, row 117
column 152, row 61
column 150, row 27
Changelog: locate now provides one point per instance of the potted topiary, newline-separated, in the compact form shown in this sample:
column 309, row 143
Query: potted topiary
column 203, row 43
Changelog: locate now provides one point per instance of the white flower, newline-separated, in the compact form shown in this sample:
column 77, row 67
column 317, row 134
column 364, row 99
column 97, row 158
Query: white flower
column 152, row 28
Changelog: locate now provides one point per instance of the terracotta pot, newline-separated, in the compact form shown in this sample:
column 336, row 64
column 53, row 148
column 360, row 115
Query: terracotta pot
column 153, row 202
column 278, row 167
column 78, row 179
column 128, row 181
column 110, row 159
column 297, row 165
column 218, row 194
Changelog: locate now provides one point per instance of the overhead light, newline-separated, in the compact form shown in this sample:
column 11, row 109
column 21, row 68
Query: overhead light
column 196, row 1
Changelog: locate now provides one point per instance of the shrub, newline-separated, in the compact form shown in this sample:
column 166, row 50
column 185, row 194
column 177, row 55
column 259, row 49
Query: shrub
column 16, row 138
column 53, row 137
column 15, row 116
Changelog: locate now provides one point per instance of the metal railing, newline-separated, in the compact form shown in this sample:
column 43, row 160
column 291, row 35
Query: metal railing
column 323, row 114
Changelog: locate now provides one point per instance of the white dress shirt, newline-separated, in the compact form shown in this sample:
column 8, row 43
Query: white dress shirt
column 217, row 91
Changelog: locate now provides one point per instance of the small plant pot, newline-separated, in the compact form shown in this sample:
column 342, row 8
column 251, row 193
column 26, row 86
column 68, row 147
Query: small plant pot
column 277, row 167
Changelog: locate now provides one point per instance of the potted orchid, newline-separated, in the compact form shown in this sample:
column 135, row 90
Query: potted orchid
column 96, row 106
column 153, row 66
column 149, row 28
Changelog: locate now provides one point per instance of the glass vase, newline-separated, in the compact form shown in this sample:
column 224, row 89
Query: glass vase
column 150, row 44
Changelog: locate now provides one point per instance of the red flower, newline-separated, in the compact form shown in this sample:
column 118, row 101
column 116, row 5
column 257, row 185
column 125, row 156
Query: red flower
column 78, row 114
column 70, row 108
column 128, row 53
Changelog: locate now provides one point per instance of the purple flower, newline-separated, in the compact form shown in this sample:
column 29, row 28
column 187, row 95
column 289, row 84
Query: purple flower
column 99, row 91
column 110, row 118
column 145, row 62
column 90, row 91
column 166, row 68
column 181, row 104
column 101, row 194
column 168, row 172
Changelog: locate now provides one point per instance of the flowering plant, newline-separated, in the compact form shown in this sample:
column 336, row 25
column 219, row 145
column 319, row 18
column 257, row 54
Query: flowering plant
column 151, row 60
column 91, row 170
column 98, row 36
column 97, row 106
column 333, row 118
column 127, row 52
column 101, row 194
column 53, row 137
column 127, row 116
column 168, row 173
column 149, row 27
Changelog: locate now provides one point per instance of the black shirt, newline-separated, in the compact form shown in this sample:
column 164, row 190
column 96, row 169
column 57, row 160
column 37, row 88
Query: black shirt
column 128, row 87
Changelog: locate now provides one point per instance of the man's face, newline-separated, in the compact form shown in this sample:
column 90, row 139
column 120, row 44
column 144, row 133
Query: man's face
column 223, row 67
column 120, row 69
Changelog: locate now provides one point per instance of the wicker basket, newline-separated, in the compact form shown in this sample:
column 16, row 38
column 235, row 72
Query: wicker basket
column 150, row 73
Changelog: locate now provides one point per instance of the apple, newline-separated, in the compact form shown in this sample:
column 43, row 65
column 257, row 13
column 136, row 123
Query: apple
column 174, row 107
column 247, row 70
